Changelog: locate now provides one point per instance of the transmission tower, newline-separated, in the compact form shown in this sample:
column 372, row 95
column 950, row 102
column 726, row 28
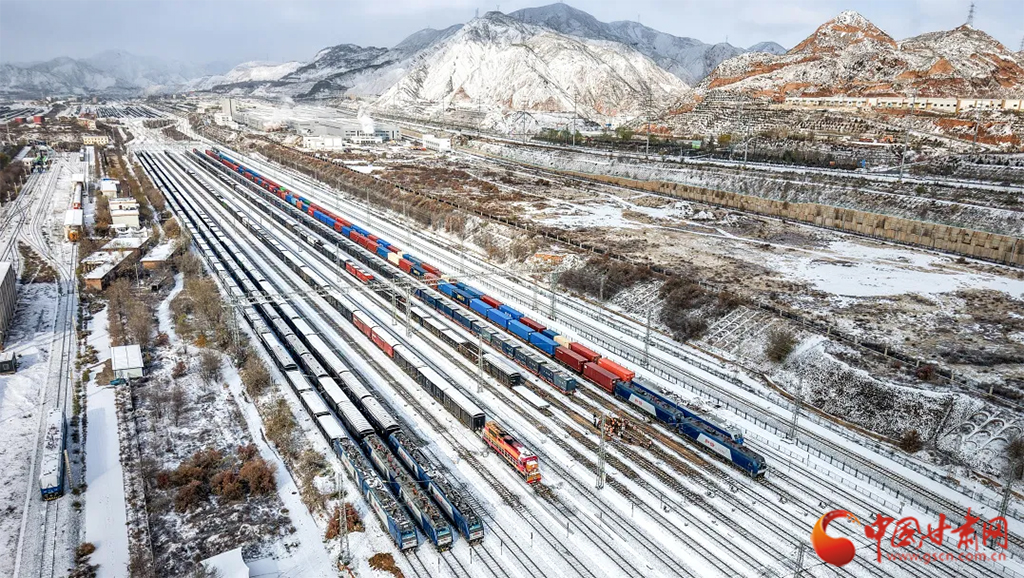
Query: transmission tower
column 970, row 15
column 798, row 401
column 600, row 456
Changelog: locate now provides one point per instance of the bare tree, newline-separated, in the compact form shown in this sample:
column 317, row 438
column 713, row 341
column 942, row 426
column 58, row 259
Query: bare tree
column 140, row 323
column 177, row 402
column 209, row 366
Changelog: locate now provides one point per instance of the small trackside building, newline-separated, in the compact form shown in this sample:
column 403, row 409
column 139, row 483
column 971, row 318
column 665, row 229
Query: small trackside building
column 126, row 361
column 8, row 298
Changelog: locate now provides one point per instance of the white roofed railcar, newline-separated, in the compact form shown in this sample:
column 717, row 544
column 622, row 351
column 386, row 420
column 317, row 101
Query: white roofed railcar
column 51, row 468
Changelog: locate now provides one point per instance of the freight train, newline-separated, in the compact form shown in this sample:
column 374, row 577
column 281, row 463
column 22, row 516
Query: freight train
column 51, row 468
column 610, row 376
column 311, row 354
column 439, row 388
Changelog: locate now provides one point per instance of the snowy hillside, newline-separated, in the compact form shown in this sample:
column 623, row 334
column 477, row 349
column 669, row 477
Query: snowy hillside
column 850, row 55
column 689, row 59
column 112, row 72
column 254, row 71
column 769, row 47
column 57, row 76
column 500, row 61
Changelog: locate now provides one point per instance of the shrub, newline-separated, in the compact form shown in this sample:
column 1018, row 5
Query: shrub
column 247, row 452
column 83, row 551
column 189, row 496
column 179, row 370
column 258, row 476
column 911, row 441
column 255, row 377
column 227, row 485
column 925, row 372
column 779, row 345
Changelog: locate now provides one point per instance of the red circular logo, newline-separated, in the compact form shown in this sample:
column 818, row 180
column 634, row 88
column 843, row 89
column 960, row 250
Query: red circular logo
column 835, row 551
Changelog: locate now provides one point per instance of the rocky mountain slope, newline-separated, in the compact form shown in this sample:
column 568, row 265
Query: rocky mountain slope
column 497, row 60
column 850, row 55
column 688, row 58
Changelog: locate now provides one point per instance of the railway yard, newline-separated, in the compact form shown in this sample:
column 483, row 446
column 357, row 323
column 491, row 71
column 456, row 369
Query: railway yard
column 479, row 418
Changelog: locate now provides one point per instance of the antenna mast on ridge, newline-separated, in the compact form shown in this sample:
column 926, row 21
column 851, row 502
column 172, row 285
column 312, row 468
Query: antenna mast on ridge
column 970, row 16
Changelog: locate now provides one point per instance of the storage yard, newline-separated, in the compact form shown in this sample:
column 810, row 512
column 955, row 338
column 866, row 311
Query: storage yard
column 489, row 427
column 458, row 411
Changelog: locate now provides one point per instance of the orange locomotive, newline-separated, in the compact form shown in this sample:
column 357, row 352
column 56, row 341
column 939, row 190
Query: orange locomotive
column 515, row 453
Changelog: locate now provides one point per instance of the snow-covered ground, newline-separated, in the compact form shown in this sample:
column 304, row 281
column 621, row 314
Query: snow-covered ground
column 105, row 519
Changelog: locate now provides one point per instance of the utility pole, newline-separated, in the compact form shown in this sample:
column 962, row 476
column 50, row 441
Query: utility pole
column 798, row 400
column 977, row 127
column 408, row 314
column 479, row 363
column 799, row 571
column 647, row 149
column 970, row 15
column 574, row 95
column 551, row 289
column 647, row 340
column 600, row 456
column 346, row 552
column 906, row 135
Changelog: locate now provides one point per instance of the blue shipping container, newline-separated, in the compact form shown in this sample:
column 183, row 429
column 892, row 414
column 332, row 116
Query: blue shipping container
column 499, row 318
column 549, row 333
column 519, row 330
column 445, row 288
column 479, row 306
column 382, row 251
column 461, row 296
column 543, row 343
column 346, row 230
column 509, row 348
column 511, row 312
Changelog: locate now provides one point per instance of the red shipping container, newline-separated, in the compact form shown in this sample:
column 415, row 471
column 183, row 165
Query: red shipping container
column 393, row 249
column 622, row 373
column 405, row 265
column 490, row 301
column 430, row 279
column 600, row 376
column 571, row 358
column 373, row 238
column 337, row 225
column 585, row 352
column 356, row 236
column 311, row 210
column 430, row 268
column 383, row 345
column 531, row 324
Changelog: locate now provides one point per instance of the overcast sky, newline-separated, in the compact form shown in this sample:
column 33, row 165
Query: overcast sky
column 278, row 30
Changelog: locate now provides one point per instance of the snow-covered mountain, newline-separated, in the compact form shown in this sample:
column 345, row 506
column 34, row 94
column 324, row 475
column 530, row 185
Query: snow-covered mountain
column 58, row 76
column 689, row 59
column 113, row 72
column 850, row 55
column 246, row 72
column 769, row 47
column 500, row 61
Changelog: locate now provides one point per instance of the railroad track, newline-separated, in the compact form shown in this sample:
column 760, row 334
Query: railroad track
column 397, row 238
column 414, row 557
column 507, row 496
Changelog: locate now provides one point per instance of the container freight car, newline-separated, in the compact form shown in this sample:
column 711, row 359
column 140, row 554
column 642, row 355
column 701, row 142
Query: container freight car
column 575, row 356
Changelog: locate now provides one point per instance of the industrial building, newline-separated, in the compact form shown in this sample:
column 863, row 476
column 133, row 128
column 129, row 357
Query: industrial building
column 950, row 105
column 8, row 362
column 8, row 298
column 126, row 361
column 95, row 139
column 432, row 143
column 110, row 188
column 353, row 130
